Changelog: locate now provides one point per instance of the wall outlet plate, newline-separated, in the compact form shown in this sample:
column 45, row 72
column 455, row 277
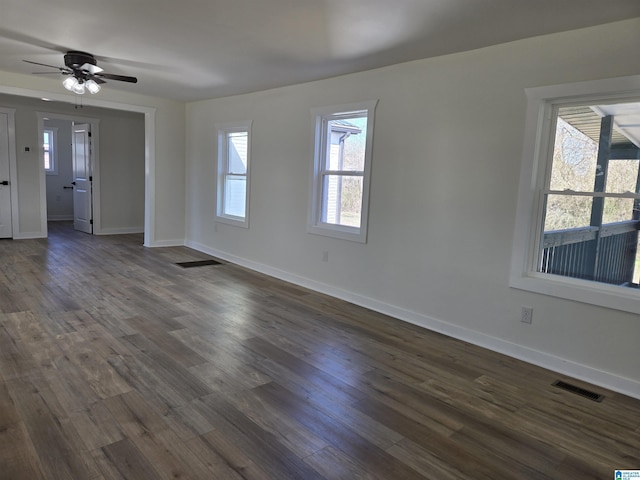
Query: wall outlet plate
column 526, row 316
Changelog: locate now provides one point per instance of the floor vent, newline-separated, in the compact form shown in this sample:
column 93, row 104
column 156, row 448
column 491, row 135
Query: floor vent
column 578, row 391
column 198, row 263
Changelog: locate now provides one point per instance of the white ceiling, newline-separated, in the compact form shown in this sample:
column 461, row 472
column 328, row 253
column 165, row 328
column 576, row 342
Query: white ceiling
column 197, row 49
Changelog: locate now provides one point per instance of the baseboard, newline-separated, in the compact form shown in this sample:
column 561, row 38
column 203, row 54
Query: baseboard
column 556, row 364
column 28, row 235
column 167, row 243
column 119, row 231
column 59, row 218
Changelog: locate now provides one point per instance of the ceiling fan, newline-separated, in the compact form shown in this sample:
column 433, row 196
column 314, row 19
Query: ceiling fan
column 83, row 73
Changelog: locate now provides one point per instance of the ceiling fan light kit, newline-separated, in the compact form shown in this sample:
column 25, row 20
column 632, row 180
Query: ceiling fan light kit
column 83, row 74
column 79, row 86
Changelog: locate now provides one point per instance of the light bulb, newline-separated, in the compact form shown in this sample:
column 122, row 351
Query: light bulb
column 69, row 83
column 92, row 86
column 78, row 88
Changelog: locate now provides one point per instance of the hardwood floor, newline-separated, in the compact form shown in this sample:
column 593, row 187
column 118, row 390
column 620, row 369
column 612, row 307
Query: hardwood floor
column 116, row 363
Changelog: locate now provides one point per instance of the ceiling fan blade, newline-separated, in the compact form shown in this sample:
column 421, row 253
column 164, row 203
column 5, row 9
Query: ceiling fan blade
column 44, row 65
column 120, row 78
column 97, row 79
column 49, row 73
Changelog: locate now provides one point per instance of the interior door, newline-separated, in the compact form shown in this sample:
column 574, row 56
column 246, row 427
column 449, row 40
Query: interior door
column 82, row 178
column 5, row 185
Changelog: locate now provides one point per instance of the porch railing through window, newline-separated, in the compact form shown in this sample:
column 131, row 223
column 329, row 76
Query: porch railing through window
column 603, row 254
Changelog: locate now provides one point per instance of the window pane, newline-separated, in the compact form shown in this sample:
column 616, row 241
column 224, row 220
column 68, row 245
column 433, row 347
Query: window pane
column 574, row 157
column 617, row 210
column 342, row 200
column 235, row 189
column 567, row 211
column 237, row 143
column 347, row 140
column 622, row 176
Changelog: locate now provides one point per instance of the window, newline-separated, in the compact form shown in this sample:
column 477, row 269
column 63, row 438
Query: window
column 233, row 173
column 579, row 205
column 341, row 170
column 49, row 151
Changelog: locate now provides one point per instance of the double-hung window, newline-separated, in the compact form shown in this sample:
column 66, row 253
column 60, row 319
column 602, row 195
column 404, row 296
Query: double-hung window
column 343, row 137
column 234, row 152
column 577, row 229
column 49, row 151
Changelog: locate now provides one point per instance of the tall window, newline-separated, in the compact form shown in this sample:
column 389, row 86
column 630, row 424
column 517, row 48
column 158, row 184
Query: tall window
column 49, row 151
column 591, row 201
column 341, row 165
column 583, row 159
column 233, row 173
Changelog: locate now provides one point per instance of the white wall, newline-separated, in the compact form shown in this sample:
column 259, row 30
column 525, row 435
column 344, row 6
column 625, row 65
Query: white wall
column 446, row 158
column 164, row 154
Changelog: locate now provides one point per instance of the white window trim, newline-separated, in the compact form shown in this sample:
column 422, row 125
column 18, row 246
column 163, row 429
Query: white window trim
column 314, row 216
column 537, row 140
column 53, row 150
column 222, row 129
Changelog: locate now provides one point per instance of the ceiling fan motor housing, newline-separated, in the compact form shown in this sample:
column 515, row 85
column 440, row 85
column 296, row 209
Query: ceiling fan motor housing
column 75, row 60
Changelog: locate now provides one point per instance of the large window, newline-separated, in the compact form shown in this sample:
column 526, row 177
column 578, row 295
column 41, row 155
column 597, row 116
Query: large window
column 581, row 186
column 340, row 175
column 49, row 151
column 233, row 173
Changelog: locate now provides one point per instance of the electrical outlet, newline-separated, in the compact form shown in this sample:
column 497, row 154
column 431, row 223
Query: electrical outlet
column 526, row 316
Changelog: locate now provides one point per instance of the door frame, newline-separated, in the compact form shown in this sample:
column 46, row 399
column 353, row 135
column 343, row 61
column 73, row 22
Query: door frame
column 149, row 148
column 95, row 166
column 13, row 167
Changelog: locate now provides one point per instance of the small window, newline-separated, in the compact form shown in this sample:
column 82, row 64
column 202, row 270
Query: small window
column 233, row 173
column 49, row 151
column 341, row 164
column 577, row 231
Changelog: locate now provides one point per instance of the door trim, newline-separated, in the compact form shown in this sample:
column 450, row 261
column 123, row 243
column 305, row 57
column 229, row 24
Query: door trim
column 95, row 166
column 149, row 140
column 13, row 167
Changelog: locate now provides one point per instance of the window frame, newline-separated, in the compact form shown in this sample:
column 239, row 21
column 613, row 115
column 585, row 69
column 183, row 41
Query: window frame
column 535, row 167
column 320, row 118
column 53, row 150
column 222, row 132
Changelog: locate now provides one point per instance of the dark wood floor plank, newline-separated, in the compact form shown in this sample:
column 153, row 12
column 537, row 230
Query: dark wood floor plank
column 241, row 462
column 363, row 453
column 172, row 347
column 96, row 426
column 56, row 442
column 18, row 459
column 145, row 428
column 299, row 441
column 168, row 370
column 128, row 461
column 117, row 364
column 262, row 446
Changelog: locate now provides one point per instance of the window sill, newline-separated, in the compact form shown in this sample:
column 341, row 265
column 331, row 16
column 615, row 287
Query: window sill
column 337, row 231
column 235, row 221
column 585, row 291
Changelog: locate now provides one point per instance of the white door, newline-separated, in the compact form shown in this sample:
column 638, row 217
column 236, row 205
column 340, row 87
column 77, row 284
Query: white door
column 82, row 211
column 5, row 185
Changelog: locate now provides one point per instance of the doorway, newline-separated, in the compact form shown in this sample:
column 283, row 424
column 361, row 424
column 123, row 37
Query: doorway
column 69, row 163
